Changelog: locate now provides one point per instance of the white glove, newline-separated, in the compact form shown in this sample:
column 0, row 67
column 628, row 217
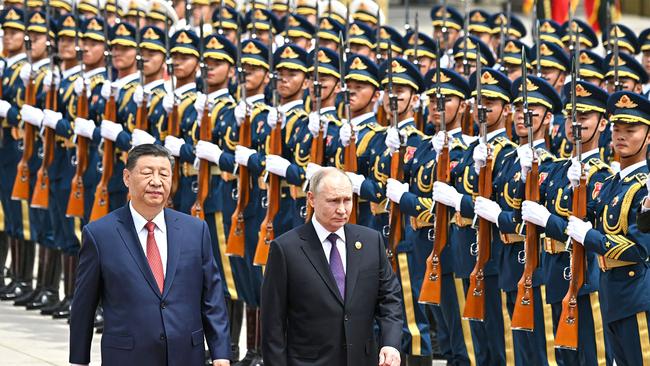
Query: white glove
column 31, row 115
column 487, row 209
column 25, row 73
column 79, row 86
column 616, row 166
column 173, row 144
column 446, row 194
column 574, row 172
column 395, row 189
column 311, row 170
column 106, row 90
column 438, row 141
column 242, row 154
column 140, row 137
column 272, row 117
column 4, row 108
column 138, row 95
column 50, row 78
column 577, row 229
column 110, row 129
column 525, row 155
column 51, row 118
column 393, row 141
column 84, row 127
column 168, row 102
column 315, row 122
column 208, row 151
column 479, row 156
column 277, row 165
column 240, row 112
column 535, row 213
column 357, row 181
column 345, row 133
column 199, row 104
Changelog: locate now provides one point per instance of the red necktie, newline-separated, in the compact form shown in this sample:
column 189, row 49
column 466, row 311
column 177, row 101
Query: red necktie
column 153, row 256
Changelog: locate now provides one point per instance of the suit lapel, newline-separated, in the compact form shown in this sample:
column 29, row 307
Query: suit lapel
column 126, row 230
column 174, row 237
column 353, row 259
column 313, row 249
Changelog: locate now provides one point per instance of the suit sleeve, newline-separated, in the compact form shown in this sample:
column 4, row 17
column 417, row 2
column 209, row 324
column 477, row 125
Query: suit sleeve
column 215, row 317
column 643, row 221
column 274, row 308
column 87, row 290
column 389, row 302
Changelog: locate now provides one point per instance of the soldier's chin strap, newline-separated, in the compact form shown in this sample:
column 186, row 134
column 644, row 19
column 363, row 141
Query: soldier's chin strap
column 503, row 106
column 600, row 116
column 647, row 131
column 367, row 104
column 455, row 113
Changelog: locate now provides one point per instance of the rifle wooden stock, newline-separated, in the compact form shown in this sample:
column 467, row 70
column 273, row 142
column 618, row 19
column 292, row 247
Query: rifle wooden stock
column 396, row 219
column 101, row 204
column 174, row 129
column 419, row 119
column 317, row 156
column 567, row 329
column 467, row 125
column 475, row 299
column 509, row 125
column 203, row 179
column 431, row 284
column 41, row 195
column 21, row 183
column 382, row 119
column 237, row 235
column 523, row 316
column 267, row 232
column 76, row 207
column 350, row 157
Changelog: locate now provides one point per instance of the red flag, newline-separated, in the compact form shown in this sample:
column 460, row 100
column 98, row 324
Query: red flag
column 596, row 13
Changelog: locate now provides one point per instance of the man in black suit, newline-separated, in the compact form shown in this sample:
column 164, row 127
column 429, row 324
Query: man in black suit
column 643, row 218
column 319, row 300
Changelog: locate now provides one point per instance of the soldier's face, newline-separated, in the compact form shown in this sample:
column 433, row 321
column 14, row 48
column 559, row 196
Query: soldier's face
column 363, row 50
column 328, row 43
column 93, row 51
column 645, row 60
column 514, row 71
column 184, row 65
column 256, row 76
column 123, row 57
column 460, row 68
column 362, row 95
column 329, row 85
column 13, row 40
column 497, row 110
column 630, row 140
column 149, row 182
column 453, row 109
column 425, row 64
column 66, row 49
column 592, row 126
column 594, row 80
column 452, row 35
column 406, row 97
column 291, row 82
column 485, row 37
column 231, row 34
column 626, row 84
column 541, row 119
column 554, row 76
column 219, row 71
column 39, row 41
column 153, row 61
column 302, row 42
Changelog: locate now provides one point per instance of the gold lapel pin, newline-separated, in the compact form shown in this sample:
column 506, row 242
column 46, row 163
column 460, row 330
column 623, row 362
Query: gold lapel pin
column 358, row 245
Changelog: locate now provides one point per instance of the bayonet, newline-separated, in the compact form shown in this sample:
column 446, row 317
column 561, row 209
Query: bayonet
column 317, row 86
column 444, row 30
column 138, row 51
column 407, row 16
column 108, row 55
column 188, row 14
column 528, row 114
column 615, row 46
column 378, row 39
column 220, row 18
column 416, row 43
column 466, row 66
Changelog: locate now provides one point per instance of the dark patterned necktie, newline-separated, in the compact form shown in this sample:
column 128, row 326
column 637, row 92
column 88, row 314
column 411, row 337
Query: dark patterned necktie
column 336, row 264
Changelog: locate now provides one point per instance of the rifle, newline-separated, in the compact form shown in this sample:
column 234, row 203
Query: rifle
column 475, row 299
column 502, row 45
column 350, row 151
column 41, row 195
column 101, row 204
column 220, row 28
column 407, row 16
column 418, row 115
column 173, row 123
column 21, row 182
column 188, row 14
column 618, row 86
column 567, row 329
column 205, row 132
column 272, row 200
column 76, row 201
column 141, row 118
column 236, row 236
column 523, row 317
column 467, row 124
column 396, row 219
column 317, row 155
column 444, row 30
column 431, row 285
column 382, row 119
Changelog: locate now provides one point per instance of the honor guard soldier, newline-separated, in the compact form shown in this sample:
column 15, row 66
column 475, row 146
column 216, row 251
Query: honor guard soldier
column 280, row 8
column 514, row 28
column 531, row 347
column 644, row 46
column 299, row 31
column 334, row 9
column 510, row 63
column 39, row 73
column 259, row 21
column 631, row 75
column 362, row 40
column 552, row 216
column 329, row 31
column 611, row 233
column 161, row 12
column 388, row 36
column 465, row 56
column 446, row 28
column 591, row 68
column 586, row 35
column 307, row 9
column 185, row 56
column 426, row 51
column 554, row 68
column 226, row 21
column 14, row 27
column 414, row 198
column 552, row 32
column 479, row 25
column 367, row 12
column 459, row 195
column 624, row 36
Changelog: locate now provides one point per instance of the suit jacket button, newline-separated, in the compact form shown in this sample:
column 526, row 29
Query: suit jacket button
column 346, row 317
column 162, row 337
column 163, row 305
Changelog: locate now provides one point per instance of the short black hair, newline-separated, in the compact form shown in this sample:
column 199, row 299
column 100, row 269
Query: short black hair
column 147, row 150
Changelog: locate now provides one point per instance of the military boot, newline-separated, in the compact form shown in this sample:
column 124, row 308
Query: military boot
column 40, row 279
column 49, row 294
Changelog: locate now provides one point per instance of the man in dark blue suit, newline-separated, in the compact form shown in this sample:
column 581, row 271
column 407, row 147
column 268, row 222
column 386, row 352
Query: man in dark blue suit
column 154, row 271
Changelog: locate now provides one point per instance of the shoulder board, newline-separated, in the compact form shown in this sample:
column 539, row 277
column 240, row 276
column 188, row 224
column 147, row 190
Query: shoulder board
column 374, row 126
column 410, row 130
column 334, row 119
column 544, row 155
column 457, row 143
column 300, row 113
column 596, row 164
column 503, row 142
column 641, row 178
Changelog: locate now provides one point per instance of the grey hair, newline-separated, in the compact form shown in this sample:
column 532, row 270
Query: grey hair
column 147, row 150
column 317, row 179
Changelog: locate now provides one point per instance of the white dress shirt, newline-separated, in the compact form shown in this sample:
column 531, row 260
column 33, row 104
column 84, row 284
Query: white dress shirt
column 327, row 246
column 160, row 233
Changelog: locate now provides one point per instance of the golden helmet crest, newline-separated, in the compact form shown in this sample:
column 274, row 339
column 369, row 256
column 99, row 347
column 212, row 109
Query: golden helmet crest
column 621, row 62
column 581, row 91
column 544, row 50
column 585, row 59
column 293, row 22
column 442, row 12
column 477, row 17
column 511, row 47
column 547, row 27
column 95, row 26
column 355, row 30
column 37, row 18
column 325, row 24
column 322, row 57
column 251, row 49
column 214, row 44
column 397, row 68
column 383, row 34
column 289, row 53
column 12, row 15
column 530, row 86
column 488, row 78
column 151, row 34
column 259, row 15
column 225, row 14
column 357, row 64
column 626, row 102
column 443, row 77
column 123, row 31
column 184, row 38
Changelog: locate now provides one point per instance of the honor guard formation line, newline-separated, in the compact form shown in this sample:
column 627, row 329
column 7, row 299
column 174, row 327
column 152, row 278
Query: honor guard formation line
column 505, row 175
